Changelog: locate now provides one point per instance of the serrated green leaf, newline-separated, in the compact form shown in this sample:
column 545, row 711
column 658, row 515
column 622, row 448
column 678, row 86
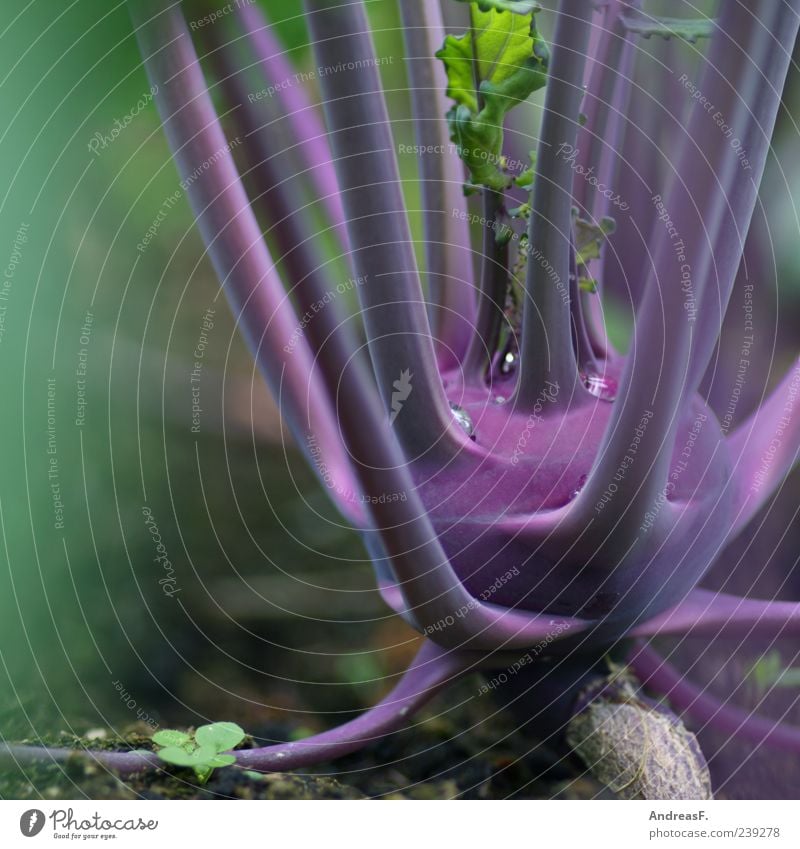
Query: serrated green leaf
column 518, row 7
column 500, row 42
column 220, row 736
column 589, row 238
column 168, row 737
column 499, row 63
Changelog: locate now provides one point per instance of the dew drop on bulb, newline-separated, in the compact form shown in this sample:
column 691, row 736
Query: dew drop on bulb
column 604, row 388
column 464, row 419
column 577, row 491
column 508, row 363
column 499, row 399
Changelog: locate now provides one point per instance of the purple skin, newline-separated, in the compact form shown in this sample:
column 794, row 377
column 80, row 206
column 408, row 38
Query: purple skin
column 576, row 490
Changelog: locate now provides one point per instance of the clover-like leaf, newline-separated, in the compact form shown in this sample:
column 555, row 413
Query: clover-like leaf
column 187, row 757
column 168, row 737
column 220, row 736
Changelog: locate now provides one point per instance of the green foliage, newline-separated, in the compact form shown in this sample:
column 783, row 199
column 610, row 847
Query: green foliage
column 499, row 63
column 768, row 672
column 689, row 29
column 204, row 751
column 589, row 238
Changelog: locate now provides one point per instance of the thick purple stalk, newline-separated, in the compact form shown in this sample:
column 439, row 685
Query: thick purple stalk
column 657, row 376
column 278, row 190
column 765, row 448
column 709, row 614
column 652, row 670
column 229, row 229
column 392, row 303
column 447, row 238
column 607, row 94
column 547, row 352
column 493, row 287
column 308, row 130
column 751, row 67
column 432, row 669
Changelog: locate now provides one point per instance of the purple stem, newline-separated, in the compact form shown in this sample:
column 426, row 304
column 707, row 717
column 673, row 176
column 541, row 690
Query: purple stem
column 753, row 60
column 657, row 373
column 607, row 95
column 547, row 352
column 391, row 297
column 431, row 670
column 229, row 229
column 655, row 672
column 448, row 244
column 765, row 448
column 308, row 130
column 278, row 192
column 709, row 614
column 492, row 294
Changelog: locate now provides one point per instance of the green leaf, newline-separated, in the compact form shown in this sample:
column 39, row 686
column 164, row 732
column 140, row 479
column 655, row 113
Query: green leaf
column 183, row 757
column 503, row 45
column 222, row 760
column 168, row 737
column 689, row 29
column 589, row 238
column 499, row 63
column 220, row 736
column 518, row 7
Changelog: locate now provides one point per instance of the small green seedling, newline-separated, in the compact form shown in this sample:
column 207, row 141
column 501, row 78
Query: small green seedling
column 204, row 751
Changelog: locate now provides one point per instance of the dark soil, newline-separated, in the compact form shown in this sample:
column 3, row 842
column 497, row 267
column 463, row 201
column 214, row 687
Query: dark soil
column 435, row 759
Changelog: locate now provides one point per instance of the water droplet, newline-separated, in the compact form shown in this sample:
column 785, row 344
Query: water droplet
column 499, row 399
column 280, row 754
column 581, row 484
column 404, row 711
column 508, row 363
column 604, row 388
column 463, row 418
